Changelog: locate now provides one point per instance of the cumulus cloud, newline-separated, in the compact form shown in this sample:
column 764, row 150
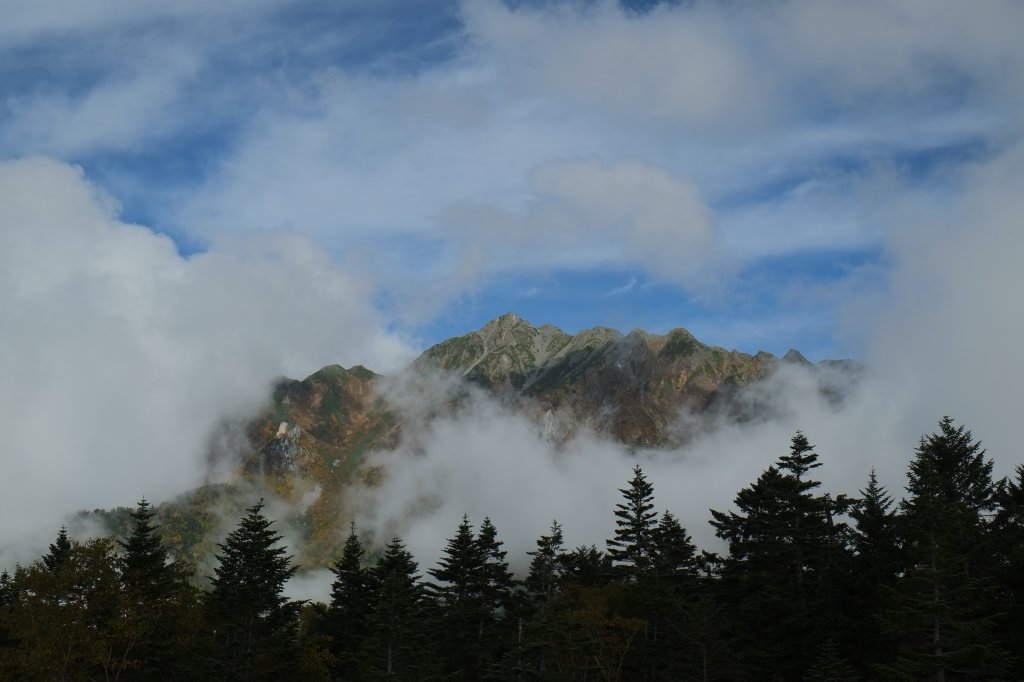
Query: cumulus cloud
column 591, row 214
column 119, row 355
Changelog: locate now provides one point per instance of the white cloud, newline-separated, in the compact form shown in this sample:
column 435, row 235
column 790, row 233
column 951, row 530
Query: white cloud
column 119, row 355
column 588, row 214
column 119, row 114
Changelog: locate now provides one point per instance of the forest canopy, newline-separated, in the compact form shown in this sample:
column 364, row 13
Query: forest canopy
column 811, row 585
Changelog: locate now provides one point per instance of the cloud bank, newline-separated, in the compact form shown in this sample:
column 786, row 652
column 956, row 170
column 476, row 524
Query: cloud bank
column 119, row 355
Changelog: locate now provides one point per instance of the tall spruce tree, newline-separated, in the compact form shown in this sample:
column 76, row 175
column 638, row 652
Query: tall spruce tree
column 944, row 608
column 669, row 592
column 397, row 645
column 632, row 548
column 253, row 623
column 779, row 578
column 458, row 593
column 547, row 566
column 876, row 562
column 58, row 551
column 160, row 601
column 352, row 599
column 474, row 585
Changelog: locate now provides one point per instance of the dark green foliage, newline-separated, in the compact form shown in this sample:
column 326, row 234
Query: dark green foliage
column 59, row 549
column 632, row 547
column 352, row 599
column 675, row 555
column 397, row 645
column 69, row 624
column 6, row 589
column 547, row 566
column 830, row 666
column 587, row 566
column 783, row 577
column 877, row 562
column 160, row 602
column 253, row 625
column 944, row 607
column 933, row 590
column 474, row 583
column 1009, row 543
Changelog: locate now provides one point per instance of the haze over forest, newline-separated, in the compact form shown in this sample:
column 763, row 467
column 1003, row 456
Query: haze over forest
column 197, row 199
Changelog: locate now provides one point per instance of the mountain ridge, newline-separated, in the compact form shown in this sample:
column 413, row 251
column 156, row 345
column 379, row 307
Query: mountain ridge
column 311, row 441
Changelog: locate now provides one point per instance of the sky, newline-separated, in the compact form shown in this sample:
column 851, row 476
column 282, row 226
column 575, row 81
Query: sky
column 196, row 197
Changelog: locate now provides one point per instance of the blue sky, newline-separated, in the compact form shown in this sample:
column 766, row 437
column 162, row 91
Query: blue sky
column 732, row 168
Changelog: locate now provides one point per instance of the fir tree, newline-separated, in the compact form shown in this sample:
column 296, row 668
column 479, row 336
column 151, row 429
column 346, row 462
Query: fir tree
column 674, row 552
column 547, row 565
column 396, row 647
column 944, row 608
column 877, row 562
column 782, row 572
column 497, row 584
column 160, row 601
column 668, row 593
column 587, row 566
column 253, row 622
column 459, row 596
column 352, row 598
column 59, row 548
column 632, row 546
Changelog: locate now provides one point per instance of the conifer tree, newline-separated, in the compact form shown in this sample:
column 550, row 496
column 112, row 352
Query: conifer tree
column 785, row 554
column 59, row 548
column 674, row 553
column 668, row 593
column 587, row 566
column 396, row 647
column 1009, row 541
column 547, row 565
column 159, row 599
column 352, row 598
column 69, row 623
column 474, row 585
column 876, row 563
column 632, row 547
column 253, row 622
column 459, row 596
column 944, row 608
column 497, row 584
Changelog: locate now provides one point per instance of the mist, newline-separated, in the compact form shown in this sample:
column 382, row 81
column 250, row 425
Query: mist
column 120, row 355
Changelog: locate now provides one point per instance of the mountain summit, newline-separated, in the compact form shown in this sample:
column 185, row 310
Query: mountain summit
column 631, row 386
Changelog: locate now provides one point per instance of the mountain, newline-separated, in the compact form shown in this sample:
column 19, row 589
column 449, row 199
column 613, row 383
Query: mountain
column 630, row 386
column 311, row 440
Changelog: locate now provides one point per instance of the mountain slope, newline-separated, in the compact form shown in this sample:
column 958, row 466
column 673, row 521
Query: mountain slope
column 630, row 386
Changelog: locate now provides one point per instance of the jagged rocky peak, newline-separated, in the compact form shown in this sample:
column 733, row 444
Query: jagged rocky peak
column 504, row 352
column 796, row 357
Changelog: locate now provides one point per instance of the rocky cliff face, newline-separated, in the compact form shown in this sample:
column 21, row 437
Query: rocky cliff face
column 630, row 386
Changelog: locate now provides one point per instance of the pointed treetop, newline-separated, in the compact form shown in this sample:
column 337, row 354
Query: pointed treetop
column 59, row 550
column 635, row 521
column 801, row 457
